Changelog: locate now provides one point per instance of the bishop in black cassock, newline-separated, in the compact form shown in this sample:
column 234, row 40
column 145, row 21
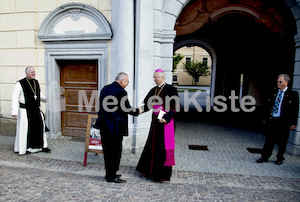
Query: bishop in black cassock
column 158, row 157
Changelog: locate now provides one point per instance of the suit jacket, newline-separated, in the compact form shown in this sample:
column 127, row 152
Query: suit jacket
column 289, row 106
column 115, row 122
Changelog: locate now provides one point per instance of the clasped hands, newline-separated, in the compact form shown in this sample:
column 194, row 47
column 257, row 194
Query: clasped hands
column 140, row 110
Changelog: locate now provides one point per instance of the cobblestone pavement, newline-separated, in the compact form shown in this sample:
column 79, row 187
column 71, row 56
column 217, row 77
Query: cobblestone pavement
column 227, row 172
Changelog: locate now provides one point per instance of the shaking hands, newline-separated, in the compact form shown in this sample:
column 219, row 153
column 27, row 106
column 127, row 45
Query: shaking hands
column 140, row 110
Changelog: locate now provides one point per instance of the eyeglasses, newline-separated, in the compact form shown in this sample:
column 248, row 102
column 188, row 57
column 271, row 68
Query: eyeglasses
column 279, row 81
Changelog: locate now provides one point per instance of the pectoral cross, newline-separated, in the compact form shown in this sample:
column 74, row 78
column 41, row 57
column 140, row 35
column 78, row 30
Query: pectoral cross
column 35, row 97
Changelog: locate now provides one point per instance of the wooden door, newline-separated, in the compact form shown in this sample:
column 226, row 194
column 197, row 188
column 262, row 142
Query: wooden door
column 76, row 76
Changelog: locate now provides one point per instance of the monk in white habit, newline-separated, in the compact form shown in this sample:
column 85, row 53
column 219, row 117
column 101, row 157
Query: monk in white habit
column 30, row 134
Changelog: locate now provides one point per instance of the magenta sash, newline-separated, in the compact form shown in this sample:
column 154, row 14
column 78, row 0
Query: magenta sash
column 169, row 138
column 157, row 108
column 170, row 144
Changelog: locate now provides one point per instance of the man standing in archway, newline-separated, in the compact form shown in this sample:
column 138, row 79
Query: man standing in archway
column 281, row 117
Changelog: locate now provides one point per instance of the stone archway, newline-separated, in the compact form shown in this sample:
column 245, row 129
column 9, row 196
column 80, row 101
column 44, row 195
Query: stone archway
column 85, row 38
column 170, row 10
column 207, row 46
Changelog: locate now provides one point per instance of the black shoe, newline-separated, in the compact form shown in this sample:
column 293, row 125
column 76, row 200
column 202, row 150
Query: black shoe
column 118, row 176
column 116, row 180
column 261, row 160
column 278, row 162
column 157, row 180
column 46, row 150
column 47, row 129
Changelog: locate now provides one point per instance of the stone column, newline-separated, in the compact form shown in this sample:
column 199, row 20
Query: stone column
column 165, row 15
column 293, row 146
column 136, row 61
column 122, row 40
column 122, row 51
column 143, row 68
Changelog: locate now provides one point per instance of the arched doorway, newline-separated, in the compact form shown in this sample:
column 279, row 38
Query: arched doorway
column 76, row 40
column 272, row 23
column 207, row 46
column 244, row 46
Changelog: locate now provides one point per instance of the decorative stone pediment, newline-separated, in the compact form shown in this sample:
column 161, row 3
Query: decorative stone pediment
column 75, row 21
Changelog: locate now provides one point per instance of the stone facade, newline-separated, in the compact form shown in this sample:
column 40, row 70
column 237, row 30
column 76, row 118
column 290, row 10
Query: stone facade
column 137, row 47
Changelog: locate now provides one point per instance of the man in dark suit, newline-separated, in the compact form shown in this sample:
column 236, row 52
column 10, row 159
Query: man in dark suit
column 281, row 117
column 113, row 124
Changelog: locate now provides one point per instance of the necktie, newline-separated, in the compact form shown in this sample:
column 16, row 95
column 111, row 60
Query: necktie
column 277, row 102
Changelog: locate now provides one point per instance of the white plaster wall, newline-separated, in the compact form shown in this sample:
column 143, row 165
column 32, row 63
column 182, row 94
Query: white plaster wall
column 7, row 6
column 8, row 40
column 24, row 5
column 25, row 39
column 17, row 57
